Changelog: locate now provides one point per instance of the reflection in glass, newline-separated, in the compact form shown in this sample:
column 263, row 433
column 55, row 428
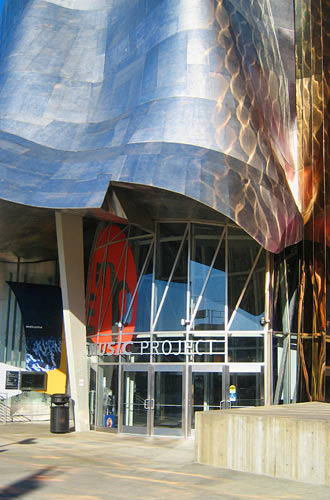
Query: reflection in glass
column 242, row 255
column 92, row 395
column 136, row 316
column 249, row 389
column 208, row 349
column 206, row 392
column 171, row 277
column 211, row 309
column 139, row 350
column 168, row 401
column 135, row 411
column 246, row 349
column 285, row 368
column 169, row 349
column 107, row 396
column 286, row 289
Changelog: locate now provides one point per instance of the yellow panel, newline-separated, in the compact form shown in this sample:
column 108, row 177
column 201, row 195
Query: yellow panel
column 56, row 379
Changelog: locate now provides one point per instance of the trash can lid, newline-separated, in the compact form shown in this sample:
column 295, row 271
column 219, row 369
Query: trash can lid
column 60, row 398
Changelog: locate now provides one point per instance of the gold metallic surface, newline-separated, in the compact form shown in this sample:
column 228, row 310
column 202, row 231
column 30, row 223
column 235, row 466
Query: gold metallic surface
column 312, row 96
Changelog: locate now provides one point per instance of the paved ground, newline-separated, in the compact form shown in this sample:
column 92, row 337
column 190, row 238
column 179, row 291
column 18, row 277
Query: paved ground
column 36, row 464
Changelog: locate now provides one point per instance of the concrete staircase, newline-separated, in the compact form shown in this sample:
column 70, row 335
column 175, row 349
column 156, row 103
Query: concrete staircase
column 6, row 416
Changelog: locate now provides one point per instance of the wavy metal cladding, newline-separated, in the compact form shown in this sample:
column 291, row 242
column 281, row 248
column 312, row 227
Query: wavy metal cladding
column 186, row 95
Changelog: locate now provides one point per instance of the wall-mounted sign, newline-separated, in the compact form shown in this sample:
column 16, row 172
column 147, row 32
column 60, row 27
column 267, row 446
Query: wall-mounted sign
column 33, row 381
column 12, row 378
column 199, row 347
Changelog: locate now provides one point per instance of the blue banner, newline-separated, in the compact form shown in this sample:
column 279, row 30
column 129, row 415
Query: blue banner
column 42, row 316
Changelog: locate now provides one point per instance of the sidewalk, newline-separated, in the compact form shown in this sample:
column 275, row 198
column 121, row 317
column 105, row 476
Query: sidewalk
column 36, row 464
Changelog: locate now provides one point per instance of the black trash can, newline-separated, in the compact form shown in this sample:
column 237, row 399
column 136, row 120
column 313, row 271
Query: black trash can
column 59, row 413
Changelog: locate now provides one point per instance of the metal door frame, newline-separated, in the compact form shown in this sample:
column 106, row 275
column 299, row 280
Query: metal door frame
column 150, row 370
column 126, row 368
column 203, row 368
column 171, row 368
column 226, row 370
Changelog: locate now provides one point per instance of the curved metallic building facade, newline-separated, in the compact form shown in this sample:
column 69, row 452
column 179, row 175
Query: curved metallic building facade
column 189, row 97
column 183, row 145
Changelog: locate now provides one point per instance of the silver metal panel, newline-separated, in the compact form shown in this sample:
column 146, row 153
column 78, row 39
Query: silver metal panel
column 147, row 92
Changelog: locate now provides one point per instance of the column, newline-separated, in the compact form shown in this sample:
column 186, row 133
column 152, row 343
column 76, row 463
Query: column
column 69, row 232
column 268, row 332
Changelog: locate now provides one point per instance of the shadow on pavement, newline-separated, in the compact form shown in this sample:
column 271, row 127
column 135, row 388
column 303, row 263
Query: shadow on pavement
column 24, row 441
column 26, row 485
column 27, row 441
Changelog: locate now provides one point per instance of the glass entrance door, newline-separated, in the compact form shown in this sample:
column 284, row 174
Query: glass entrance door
column 135, row 400
column 206, row 392
column 152, row 400
column 223, row 387
column 168, row 397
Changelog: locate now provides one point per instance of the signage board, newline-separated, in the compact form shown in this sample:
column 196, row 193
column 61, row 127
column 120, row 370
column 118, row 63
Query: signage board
column 232, row 394
column 12, row 378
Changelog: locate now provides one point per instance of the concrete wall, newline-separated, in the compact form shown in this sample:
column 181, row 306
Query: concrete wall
column 287, row 441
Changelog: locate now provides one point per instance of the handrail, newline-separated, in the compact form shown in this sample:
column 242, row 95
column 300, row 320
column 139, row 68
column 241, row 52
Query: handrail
column 5, row 415
column 5, row 412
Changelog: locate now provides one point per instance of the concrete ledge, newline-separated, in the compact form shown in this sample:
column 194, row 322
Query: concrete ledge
column 286, row 441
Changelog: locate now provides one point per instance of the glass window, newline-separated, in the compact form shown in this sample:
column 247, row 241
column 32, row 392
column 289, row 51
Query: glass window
column 131, row 294
column 249, row 389
column 206, row 392
column 285, row 366
column 107, row 289
column 106, row 405
column 136, row 314
column 246, row 349
column 242, row 254
column 286, row 292
column 168, row 401
column 169, row 348
column 207, row 348
column 211, row 283
column 119, row 286
column 171, row 277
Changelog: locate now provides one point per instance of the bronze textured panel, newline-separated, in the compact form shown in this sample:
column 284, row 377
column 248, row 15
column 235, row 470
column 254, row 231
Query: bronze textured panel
column 259, row 127
column 313, row 93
